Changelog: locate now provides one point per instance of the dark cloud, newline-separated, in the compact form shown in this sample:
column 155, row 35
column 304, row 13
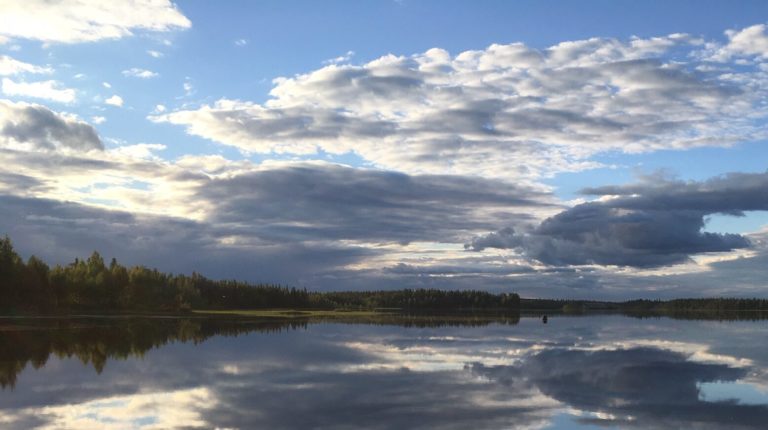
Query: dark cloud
column 43, row 128
column 648, row 224
column 59, row 232
column 16, row 183
column 329, row 202
column 732, row 194
column 295, row 223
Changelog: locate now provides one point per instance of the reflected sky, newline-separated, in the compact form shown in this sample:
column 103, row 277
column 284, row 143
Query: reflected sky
column 605, row 371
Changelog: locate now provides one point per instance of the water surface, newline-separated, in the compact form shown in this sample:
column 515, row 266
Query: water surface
column 604, row 371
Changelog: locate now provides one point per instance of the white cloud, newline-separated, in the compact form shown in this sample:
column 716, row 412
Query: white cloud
column 160, row 109
column 115, row 100
column 49, row 90
column 86, row 20
column 135, row 72
column 140, row 150
column 106, row 85
column 10, row 66
column 506, row 111
column 98, row 119
column 241, row 42
column 154, row 54
column 341, row 58
column 189, row 89
column 750, row 41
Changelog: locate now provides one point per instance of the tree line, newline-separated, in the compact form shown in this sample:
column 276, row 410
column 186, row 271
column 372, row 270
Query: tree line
column 93, row 285
column 673, row 307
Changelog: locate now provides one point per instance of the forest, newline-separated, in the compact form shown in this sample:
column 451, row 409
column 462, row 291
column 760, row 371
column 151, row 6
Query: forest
column 92, row 285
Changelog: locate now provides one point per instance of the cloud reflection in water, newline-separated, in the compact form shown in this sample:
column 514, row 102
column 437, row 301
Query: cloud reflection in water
column 609, row 371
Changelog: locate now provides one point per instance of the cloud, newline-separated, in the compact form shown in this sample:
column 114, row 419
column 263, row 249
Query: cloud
column 86, row 20
column 48, row 90
column 59, row 232
column 402, row 229
column 241, row 42
column 115, row 100
column 341, row 58
column 750, row 41
column 98, row 119
column 154, row 54
column 189, row 89
column 642, row 387
column 140, row 73
column 323, row 214
column 318, row 201
column 10, row 66
column 517, row 111
column 23, row 124
column 653, row 223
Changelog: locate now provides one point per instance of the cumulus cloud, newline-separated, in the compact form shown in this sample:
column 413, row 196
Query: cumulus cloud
column 10, row 66
column 154, row 54
column 652, row 223
column 75, row 21
column 48, row 90
column 517, row 111
column 136, row 72
column 115, row 100
column 23, row 124
column 750, row 41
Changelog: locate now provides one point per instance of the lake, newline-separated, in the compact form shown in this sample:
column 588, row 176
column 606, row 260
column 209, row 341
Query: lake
column 590, row 372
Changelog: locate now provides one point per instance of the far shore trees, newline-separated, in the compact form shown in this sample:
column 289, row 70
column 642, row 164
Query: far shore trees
column 91, row 285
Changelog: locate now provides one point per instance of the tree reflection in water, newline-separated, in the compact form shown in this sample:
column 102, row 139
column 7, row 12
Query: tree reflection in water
column 389, row 371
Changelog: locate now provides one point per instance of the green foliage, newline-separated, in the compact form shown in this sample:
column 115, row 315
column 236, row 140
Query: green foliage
column 92, row 286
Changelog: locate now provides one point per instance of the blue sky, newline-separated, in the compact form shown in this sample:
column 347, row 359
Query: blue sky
column 250, row 131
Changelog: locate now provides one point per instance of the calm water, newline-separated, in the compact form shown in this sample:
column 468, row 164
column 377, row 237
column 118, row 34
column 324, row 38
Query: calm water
column 574, row 372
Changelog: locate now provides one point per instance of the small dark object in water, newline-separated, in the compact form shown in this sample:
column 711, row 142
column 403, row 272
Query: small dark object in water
column 544, row 319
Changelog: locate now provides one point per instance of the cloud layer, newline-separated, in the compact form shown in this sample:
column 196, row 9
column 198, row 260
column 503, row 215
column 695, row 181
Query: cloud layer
column 506, row 111
column 446, row 148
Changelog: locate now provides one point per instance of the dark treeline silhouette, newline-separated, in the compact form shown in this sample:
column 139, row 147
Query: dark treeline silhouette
column 91, row 285
column 712, row 305
column 705, row 307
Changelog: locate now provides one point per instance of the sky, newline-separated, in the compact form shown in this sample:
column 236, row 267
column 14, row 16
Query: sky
column 600, row 149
